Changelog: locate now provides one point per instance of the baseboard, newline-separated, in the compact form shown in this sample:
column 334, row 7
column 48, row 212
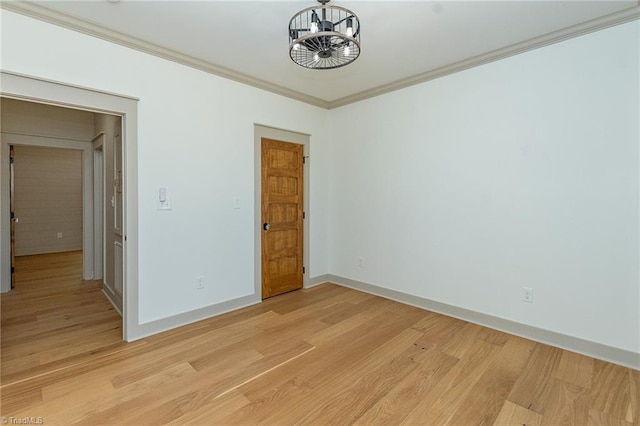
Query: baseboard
column 574, row 344
column 112, row 298
column 320, row 279
column 185, row 318
column 48, row 251
column 164, row 324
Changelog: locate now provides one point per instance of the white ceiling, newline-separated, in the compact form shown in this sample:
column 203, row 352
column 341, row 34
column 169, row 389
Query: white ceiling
column 401, row 40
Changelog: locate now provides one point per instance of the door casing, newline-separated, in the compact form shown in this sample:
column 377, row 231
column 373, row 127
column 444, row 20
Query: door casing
column 98, row 207
column 12, row 209
column 34, row 89
column 263, row 131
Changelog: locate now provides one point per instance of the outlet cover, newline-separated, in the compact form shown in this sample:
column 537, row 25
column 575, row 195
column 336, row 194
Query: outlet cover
column 527, row 294
column 200, row 282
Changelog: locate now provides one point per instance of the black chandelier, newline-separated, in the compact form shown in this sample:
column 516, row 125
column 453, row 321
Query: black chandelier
column 324, row 37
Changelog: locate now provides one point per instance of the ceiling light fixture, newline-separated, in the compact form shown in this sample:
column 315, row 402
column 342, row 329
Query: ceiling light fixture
column 324, row 37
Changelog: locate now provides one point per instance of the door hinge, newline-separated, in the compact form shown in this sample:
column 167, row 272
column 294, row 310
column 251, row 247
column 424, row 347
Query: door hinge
column 304, row 269
column 10, row 160
column 304, row 215
column 304, row 159
column 13, row 215
column 13, row 269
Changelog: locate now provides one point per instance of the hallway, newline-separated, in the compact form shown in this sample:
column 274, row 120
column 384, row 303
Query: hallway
column 53, row 319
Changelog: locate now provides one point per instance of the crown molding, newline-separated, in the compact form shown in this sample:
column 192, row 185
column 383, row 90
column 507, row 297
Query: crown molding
column 617, row 18
column 70, row 22
column 76, row 24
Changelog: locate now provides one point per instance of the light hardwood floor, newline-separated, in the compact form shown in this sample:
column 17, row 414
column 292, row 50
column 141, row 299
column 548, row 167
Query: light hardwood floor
column 328, row 355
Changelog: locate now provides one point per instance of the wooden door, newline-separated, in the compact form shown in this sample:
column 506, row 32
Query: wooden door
column 14, row 219
column 282, row 203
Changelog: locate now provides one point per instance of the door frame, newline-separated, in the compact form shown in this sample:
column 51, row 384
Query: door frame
column 263, row 131
column 98, row 206
column 14, row 139
column 12, row 212
column 34, row 89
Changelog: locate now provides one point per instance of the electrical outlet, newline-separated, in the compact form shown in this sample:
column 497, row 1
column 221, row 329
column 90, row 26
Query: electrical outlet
column 59, row 235
column 200, row 282
column 360, row 262
column 527, row 294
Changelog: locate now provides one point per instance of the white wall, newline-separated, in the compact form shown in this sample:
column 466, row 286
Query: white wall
column 522, row 172
column 195, row 137
column 48, row 194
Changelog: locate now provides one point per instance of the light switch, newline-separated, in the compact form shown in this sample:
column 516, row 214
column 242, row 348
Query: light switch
column 163, row 199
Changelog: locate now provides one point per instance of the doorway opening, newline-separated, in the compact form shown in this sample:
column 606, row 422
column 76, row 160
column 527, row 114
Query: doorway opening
column 60, row 199
column 54, row 221
column 46, row 199
column 281, row 264
column 68, row 97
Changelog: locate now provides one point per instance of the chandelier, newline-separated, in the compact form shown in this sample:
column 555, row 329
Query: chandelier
column 324, row 37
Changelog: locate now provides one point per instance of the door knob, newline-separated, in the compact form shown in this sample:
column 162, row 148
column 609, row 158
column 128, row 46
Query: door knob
column 266, row 226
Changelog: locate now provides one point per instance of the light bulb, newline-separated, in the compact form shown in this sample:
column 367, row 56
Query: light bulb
column 296, row 46
column 350, row 27
column 314, row 27
column 316, row 57
column 347, row 50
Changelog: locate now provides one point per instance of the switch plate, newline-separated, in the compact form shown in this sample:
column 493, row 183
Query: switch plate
column 360, row 262
column 200, row 284
column 527, row 294
column 163, row 200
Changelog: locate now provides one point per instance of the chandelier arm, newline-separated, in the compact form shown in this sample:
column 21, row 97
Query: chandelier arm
column 344, row 19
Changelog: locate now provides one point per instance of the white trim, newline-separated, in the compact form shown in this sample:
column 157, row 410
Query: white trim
column 262, row 131
column 17, row 76
column 617, row 18
column 76, row 24
column 320, row 279
column 575, row 344
column 73, row 23
column 111, row 297
column 185, row 318
column 45, row 91
column 98, row 206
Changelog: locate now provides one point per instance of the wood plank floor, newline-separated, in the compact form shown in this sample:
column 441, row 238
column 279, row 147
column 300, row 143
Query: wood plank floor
column 327, row 355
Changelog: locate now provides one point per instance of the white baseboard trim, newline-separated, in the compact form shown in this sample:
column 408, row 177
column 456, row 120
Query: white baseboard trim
column 320, row 279
column 175, row 321
column 601, row 351
column 185, row 318
column 111, row 297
